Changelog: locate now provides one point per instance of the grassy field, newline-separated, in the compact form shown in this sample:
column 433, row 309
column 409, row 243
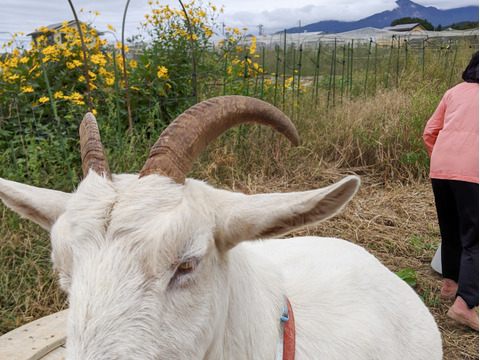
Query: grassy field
column 392, row 216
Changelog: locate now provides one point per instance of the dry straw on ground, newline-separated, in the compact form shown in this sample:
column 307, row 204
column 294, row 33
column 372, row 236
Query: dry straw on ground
column 395, row 222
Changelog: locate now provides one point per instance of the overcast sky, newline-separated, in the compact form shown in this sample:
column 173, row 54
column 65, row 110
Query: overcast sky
column 274, row 15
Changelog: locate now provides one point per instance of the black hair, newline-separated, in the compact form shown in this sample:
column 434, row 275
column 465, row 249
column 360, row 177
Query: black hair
column 471, row 71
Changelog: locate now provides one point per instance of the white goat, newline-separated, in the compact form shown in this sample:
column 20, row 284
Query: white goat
column 157, row 267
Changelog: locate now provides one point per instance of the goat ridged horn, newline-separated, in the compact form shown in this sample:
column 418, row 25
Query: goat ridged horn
column 189, row 134
column 91, row 148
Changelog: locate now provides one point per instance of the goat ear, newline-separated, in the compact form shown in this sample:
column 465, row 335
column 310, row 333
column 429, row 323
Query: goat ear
column 251, row 217
column 42, row 206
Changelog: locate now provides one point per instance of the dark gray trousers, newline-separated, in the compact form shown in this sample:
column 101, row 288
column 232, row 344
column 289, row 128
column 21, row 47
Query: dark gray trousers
column 457, row 211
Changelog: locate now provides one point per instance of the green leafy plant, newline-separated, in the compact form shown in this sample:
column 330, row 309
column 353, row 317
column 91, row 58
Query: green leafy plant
column 409, row 276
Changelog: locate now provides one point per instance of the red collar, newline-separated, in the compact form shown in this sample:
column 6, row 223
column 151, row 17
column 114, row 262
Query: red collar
column 289, row 335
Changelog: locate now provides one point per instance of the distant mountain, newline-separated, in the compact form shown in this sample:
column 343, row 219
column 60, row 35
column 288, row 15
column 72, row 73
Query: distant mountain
column 405, row 8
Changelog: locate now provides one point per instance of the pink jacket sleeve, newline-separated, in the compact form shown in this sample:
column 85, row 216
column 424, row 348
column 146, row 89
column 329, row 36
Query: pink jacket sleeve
column 433, row 127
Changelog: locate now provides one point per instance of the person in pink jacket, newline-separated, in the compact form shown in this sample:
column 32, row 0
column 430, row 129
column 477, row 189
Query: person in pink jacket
column 451, row 137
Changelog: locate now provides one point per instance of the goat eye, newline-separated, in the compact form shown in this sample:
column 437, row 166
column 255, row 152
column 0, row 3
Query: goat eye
column 186, row 266
column 182, row 272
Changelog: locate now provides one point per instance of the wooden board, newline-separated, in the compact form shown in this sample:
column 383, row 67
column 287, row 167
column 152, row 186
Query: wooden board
column 41, row 339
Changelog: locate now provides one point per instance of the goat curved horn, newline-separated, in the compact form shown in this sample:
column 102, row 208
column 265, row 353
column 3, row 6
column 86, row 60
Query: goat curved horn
column 190, row 133
column 91, row 148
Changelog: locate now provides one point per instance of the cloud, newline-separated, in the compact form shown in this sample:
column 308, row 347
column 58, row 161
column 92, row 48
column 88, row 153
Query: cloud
column 280, row 18
column 274, row 15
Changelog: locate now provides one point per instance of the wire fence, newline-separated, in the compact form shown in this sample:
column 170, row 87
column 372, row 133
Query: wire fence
column 289, row 71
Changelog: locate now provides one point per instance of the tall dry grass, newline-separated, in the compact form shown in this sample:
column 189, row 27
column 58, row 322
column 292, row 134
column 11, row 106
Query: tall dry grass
column 379, row 135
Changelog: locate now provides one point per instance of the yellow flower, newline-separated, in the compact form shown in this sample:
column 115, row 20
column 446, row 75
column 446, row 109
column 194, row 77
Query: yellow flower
column 253, row 46
column 110, row 80
column 98, row 59
column 74, row 63
column 133, row 64
column 162, row 72
column 27, row 89
column 110, row 27
column 94, row 112
column 44, row 99
column 92, row 75
column 76, row 96
column 13, row 77
column 96, row 13
column 119, row 46
column 58, row 95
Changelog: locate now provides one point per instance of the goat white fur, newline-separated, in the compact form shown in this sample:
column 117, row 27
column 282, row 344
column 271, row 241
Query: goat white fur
column 159, row 270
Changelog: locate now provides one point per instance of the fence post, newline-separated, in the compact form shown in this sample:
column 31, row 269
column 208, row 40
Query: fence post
column 351, row 69
column 331, row 87
column 366, row 72
column 405, row 42
column 284, row 66
column 84, row 52
column 225, row 70
column 348, row 80
column 423, row 59
column 117, row 101
column 263, row 73
column 343, row 74
column 194, row 57
column 453, row 66
column 276, row 76
column 398, row 61
column 389, row 62
column 299, row 73
column 317, row 73
column 293, row 77
column 334, row 69
column 448, row 52
column 125, row 77
column 375, row 70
